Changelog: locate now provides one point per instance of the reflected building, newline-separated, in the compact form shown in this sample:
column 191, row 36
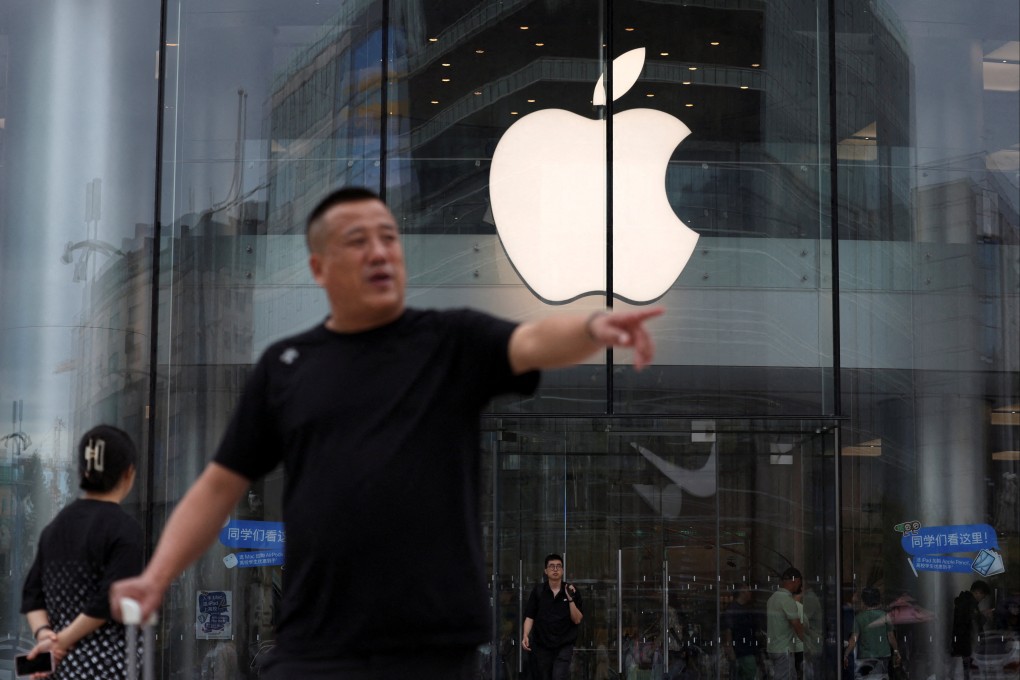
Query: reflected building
column 838, row 357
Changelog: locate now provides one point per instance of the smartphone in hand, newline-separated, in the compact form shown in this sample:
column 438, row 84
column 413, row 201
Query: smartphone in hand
column 42, row 663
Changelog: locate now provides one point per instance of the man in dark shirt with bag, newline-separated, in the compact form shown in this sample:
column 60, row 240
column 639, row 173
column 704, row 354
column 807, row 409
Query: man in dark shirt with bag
column 551, row 618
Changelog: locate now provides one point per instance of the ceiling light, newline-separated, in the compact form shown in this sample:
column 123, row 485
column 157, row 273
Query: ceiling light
column 539, row 44
column 479, row 51
column 649, row 95
column 868, row 132
column 446, row 64
column 513, row 113
column 690, row 106
column 1006, row 415
column 663, row 54
column 714, row 43
column 1001, row 77
column 755, row 65
column 435, row 101
column 531, row 101
column 686, row 82
column 445, row 80
column 692, row 68
column 871, row 449
column 478, row 91
column 629, row 28
column 524, row 28
column 743, row 87
column 433, row 39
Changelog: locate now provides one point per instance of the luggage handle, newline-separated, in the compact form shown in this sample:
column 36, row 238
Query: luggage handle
column 131, row 613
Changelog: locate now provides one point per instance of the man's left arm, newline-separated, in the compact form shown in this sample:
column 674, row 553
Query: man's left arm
column 574, row 603
column 559, row 341
column 792, row 613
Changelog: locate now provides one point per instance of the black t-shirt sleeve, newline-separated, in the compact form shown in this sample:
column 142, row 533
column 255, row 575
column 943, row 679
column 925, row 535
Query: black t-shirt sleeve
column 32, row 596
column 123, row 559
column 248, row 446
column 486, row 345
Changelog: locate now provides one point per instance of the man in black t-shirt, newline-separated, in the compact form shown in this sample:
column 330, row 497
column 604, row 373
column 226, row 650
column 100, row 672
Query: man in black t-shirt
column 374, row 415
column 551, row 618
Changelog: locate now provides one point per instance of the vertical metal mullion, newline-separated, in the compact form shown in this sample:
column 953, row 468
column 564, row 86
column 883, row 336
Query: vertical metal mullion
column 665, row 609
column 837, row 388
column 384, row 116
column 520, row 610
column 837, row 396
column 609, row 52
column 149, row 489
column 494, row 440
column 838, row 531
column 619, row 611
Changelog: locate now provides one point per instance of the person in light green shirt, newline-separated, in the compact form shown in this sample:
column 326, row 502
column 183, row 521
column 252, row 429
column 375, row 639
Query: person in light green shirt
column 784, row 626
column 874, row 637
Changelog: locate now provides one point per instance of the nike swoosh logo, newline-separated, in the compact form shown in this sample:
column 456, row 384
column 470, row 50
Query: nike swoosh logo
column 668, row 500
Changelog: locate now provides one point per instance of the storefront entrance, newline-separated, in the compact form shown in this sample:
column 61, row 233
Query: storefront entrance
column 660, row 523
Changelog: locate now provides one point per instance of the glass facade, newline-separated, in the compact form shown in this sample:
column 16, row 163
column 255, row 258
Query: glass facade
column 837, row 383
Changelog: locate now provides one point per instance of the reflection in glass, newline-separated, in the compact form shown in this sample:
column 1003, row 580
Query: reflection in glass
column 658, row 523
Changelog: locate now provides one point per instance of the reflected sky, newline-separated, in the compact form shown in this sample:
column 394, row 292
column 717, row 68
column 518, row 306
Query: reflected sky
column 79, row 104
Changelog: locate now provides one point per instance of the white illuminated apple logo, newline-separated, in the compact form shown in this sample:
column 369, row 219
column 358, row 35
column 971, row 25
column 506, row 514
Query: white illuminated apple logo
column 547, row 188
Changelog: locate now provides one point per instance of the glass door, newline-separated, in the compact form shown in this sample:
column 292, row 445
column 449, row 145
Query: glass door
column 662, row 526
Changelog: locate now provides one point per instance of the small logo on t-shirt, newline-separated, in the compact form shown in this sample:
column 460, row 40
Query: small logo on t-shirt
column 289, row 355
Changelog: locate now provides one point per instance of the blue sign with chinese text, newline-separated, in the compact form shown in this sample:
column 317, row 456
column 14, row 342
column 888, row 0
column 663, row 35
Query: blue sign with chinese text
column 958, row 538
column 256, row 535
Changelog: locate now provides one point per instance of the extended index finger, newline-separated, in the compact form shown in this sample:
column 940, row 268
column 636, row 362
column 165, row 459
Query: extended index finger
column 639, row 316
column 644, row 348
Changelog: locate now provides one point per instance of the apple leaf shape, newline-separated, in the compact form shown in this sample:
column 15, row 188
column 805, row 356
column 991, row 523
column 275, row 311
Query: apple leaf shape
column 626, row 69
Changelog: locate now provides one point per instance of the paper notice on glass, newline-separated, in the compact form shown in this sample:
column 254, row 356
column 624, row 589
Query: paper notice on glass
column 213, row 609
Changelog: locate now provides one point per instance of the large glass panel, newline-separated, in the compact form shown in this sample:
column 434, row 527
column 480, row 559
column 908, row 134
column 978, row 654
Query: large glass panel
column 473, row 71
column 748, row 328
column 661, row 524
column 268, row 105
column 928, row 111
column 77, row 163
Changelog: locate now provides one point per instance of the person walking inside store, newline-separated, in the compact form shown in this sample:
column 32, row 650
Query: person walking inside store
column 873, row 638
column 968, row 622
column 551, row 618
column 740, row 626
column 89, row 544
column 375, row 416
column 783, row 624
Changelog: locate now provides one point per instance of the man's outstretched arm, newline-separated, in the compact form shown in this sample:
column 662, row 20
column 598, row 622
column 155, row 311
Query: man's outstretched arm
column 558, row 341
column 192, row 528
